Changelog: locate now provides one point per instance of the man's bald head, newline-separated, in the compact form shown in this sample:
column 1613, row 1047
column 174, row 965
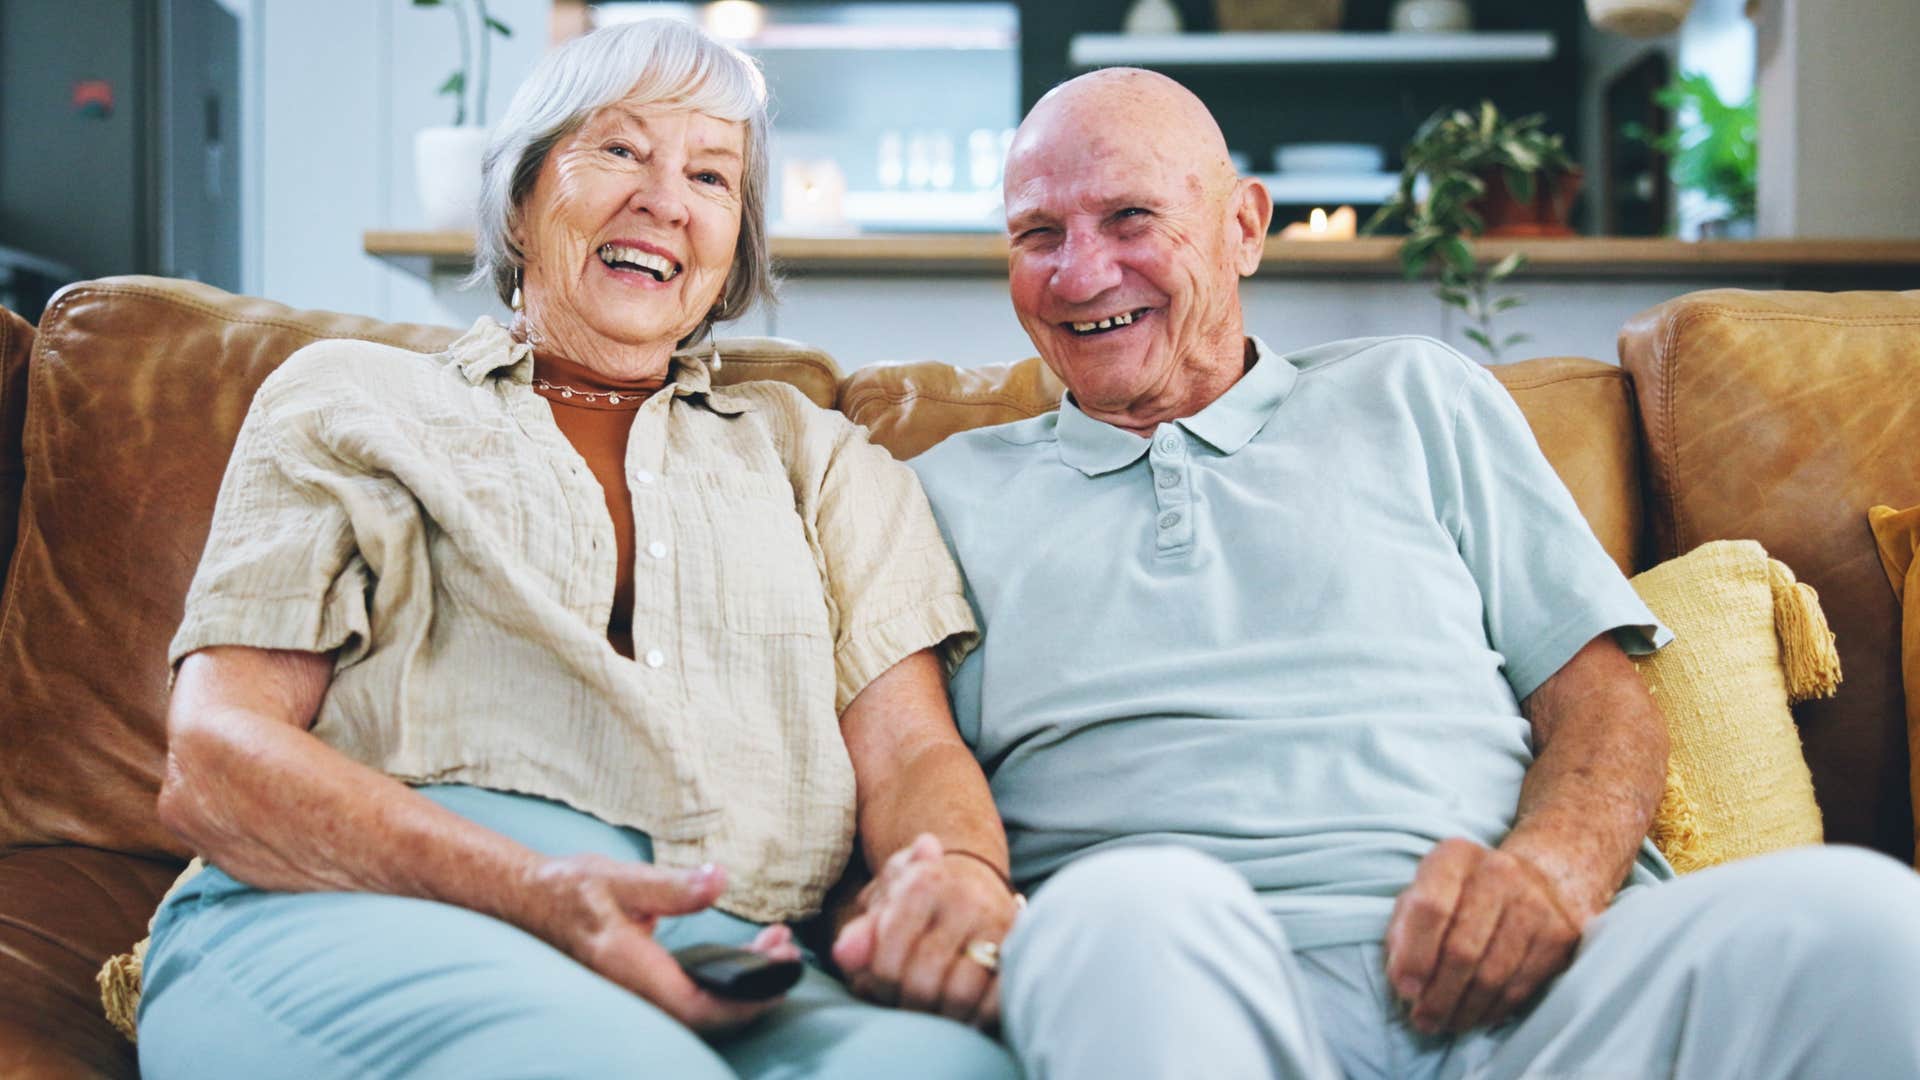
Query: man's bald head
column 1136, row 103
column 1128, row 232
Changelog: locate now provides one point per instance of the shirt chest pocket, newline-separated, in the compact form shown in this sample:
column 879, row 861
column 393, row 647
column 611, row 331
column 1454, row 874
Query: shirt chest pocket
column 769, row 582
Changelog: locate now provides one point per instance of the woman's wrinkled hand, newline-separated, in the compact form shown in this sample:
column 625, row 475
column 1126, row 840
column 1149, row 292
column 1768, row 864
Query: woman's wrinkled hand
column 908, row 945
column 603, row 913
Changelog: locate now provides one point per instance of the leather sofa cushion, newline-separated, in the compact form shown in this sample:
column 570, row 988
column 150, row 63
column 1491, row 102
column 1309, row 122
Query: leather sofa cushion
column 136, row 391
column 910, row 408
column 812, row 372
column 138, row 388
column 67, row 909
column 1782, row 417
column 16, row 342
column 1581, row 411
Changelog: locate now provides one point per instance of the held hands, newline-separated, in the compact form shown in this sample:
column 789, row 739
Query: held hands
column 1475, row 936
column 909, row 946
column 603, row 912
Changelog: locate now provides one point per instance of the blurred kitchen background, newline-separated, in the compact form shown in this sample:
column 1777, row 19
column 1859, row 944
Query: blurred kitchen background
column 315, row 151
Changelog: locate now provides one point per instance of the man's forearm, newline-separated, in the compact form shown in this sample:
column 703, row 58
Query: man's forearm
column 938, row 790
column 1596, row 781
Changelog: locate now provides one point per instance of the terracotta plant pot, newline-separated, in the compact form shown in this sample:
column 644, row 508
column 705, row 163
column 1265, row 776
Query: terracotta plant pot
column 1547, row 215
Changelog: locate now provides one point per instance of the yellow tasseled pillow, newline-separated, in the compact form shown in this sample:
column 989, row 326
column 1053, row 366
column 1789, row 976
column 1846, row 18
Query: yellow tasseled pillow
column 1749, row 641
column 1897, row 532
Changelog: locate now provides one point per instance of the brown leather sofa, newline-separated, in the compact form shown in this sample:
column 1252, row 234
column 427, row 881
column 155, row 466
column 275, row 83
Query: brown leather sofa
column 1775, row 416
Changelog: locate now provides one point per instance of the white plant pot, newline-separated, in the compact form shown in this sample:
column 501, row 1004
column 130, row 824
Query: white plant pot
column 1639, row 18
column 1431, row 17
column 446, row 168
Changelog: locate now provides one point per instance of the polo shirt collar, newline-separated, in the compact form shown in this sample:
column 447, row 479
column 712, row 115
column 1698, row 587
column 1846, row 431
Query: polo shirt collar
column 1235, row 417
column 490, row 349
column 1228, row 423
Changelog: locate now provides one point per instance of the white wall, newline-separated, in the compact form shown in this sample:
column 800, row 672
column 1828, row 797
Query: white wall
column 1839, row 147
column 340, row 88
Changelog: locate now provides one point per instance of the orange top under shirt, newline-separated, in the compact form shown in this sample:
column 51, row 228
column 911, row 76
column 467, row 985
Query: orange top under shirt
column 598, row 428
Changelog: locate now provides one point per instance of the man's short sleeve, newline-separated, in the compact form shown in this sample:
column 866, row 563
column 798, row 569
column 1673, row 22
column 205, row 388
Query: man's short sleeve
column 280, row 569
column 1547, row 585
column 892, row 587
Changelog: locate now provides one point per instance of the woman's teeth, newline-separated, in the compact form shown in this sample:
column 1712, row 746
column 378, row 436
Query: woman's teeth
column 1106, row 324
column 627, row 258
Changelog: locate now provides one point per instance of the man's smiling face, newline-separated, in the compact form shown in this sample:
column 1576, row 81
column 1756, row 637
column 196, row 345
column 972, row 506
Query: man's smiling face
column 1128, row 233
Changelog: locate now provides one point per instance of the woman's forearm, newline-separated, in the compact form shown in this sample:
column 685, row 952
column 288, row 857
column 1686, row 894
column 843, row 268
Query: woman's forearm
column 249, row 788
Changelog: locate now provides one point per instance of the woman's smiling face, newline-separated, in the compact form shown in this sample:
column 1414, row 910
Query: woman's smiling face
column 630, row 230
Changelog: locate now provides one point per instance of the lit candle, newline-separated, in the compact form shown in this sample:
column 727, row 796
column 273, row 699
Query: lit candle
column 1342, row 224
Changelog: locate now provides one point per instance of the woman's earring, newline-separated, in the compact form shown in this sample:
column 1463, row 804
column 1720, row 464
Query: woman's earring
column 716, row 352
column 515, row 302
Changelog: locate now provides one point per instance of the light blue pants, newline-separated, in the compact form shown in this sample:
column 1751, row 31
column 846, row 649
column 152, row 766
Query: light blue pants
column 245, row 983
column 1157, row 962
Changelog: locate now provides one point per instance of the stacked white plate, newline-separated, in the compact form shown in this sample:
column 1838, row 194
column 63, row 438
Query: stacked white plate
column 1330, row 174
column 1347, row 159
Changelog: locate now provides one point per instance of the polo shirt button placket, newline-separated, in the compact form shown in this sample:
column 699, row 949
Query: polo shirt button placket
column 1173, row 527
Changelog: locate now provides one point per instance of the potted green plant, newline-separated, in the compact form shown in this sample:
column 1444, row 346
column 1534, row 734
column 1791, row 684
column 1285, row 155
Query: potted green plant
column 1712, row 149
column 446, row 160
column 1483, row 174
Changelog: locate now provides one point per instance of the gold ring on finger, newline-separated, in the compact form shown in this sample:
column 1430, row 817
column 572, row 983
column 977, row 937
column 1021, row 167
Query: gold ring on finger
column 985, row 953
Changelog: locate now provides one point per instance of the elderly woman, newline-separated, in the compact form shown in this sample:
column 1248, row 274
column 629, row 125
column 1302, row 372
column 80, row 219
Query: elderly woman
column 510, row 669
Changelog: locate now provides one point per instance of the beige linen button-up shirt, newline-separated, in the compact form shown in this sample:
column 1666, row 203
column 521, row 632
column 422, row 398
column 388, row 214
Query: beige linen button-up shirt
column 424, row 518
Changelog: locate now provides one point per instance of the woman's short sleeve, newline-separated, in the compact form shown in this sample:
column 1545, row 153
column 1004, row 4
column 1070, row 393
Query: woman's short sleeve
column 892, row 587
column 280, row 569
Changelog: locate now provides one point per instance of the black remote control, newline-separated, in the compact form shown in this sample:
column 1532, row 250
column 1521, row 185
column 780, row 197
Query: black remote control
column 737, row 974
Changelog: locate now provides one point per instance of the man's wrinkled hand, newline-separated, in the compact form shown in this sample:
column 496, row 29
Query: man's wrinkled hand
column 908, row 945
column 1475, row 936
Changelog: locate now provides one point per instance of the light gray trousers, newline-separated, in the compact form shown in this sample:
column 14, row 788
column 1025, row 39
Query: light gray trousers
column 1157, row 962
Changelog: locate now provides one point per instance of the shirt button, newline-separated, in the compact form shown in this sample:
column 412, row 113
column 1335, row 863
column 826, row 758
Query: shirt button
column 642, row 476
column 1169, row 479
column 657, row 549
column 1169, row 519
column 1169, row 443
column 655, row 658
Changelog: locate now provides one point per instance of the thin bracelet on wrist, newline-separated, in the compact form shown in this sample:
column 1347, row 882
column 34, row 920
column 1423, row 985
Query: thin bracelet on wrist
column 1018, row 897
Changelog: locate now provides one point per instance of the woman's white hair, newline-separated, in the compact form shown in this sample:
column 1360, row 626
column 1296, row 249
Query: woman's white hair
column 661, row 62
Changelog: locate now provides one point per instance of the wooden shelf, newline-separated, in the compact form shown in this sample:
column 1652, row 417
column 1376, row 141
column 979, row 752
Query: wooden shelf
column 1309, row 50
column 422, row 253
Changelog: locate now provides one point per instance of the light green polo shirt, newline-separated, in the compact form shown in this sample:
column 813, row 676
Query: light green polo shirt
column 1291, row 631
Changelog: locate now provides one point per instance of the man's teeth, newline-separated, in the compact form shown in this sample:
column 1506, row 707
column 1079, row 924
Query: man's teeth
column 659, row 266
column 1125, row 319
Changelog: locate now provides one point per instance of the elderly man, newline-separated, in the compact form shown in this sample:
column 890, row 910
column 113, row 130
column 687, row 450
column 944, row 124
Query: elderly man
column 1305, row 694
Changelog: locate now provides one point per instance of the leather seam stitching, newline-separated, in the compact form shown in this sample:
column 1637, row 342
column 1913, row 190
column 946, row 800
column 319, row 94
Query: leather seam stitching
column 1554, row 380
column 1682, row 533
column 229, row 318
column 1788, row 316
column 899, row 397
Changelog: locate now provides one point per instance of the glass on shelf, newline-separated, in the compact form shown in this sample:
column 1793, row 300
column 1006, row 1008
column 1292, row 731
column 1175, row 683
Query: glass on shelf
column 892, row 165
column 892, row 92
